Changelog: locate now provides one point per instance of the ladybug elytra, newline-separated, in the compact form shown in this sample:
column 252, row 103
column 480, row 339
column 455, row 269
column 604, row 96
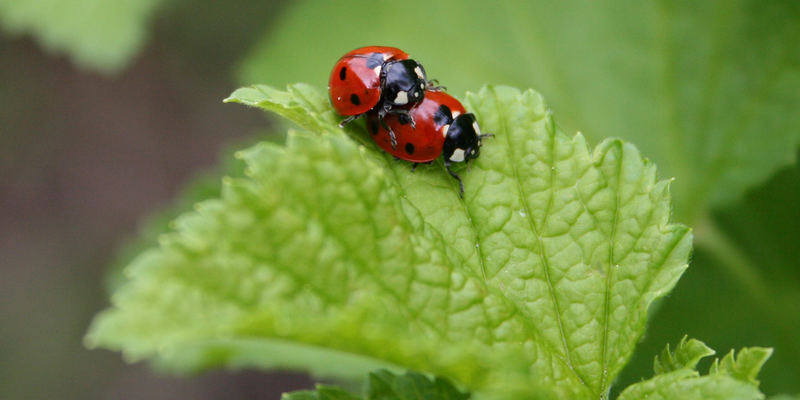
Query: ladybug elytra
column 378, row 78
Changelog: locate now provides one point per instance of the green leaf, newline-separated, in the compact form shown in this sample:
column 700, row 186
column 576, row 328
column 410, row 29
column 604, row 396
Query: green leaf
column 384, row 385
column 708, row 90
column 97, row 34
column 731, row 378
column 331, row 252
column 686, row 355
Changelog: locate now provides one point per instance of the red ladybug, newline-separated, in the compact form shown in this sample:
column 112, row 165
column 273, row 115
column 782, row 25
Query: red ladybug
column 376, row 78
column 443, row 127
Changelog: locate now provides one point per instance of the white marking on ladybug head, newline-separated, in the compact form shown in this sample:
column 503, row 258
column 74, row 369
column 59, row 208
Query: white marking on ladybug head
column 458, row 155
column 419, row 72
column 456, row 114
column 402, row 98
column 422, row 86
column 445, row 128
column 476, row 127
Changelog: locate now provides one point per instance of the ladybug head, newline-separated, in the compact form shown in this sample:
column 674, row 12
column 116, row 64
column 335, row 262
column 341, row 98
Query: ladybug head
column 403, row 83
column 463, row 140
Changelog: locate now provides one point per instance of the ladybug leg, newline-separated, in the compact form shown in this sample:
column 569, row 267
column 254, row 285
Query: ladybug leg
column 458, row 178
column 404, row 116
column 392, row 137
column 349, row 120
column 385, row 109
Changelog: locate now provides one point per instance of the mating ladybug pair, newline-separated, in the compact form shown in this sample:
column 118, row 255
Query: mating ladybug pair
column 407, row 115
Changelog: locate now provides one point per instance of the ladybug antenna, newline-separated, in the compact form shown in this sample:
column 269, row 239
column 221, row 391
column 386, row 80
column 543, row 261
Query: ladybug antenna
column 434, row 86
column 458, row 178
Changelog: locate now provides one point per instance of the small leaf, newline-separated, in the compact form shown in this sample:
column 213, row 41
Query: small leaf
column 384, row 385
column 98, row 34
column 301, row 395
column 688, row 385
column 322, row 393
column 686, row 355
column 744, row 367
column 677, row 378
column 330, row 253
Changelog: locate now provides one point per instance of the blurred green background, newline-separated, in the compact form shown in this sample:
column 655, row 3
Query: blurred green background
column 109, row 109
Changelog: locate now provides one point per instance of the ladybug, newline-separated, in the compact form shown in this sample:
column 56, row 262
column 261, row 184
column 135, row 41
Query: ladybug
column 443, row 128
column 377, row 78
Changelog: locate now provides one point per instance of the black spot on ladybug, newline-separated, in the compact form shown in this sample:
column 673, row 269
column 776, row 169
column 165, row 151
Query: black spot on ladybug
column 343, row 73
column 374, row 60
column 354, row 99
column 409, row 148
column 442, row 116
column 373, row 126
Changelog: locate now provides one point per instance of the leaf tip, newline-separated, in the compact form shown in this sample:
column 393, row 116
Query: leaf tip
column 89, row 340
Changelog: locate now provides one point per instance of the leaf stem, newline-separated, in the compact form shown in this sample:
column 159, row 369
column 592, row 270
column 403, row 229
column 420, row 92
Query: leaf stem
column 734, row 261
column 742, row 269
